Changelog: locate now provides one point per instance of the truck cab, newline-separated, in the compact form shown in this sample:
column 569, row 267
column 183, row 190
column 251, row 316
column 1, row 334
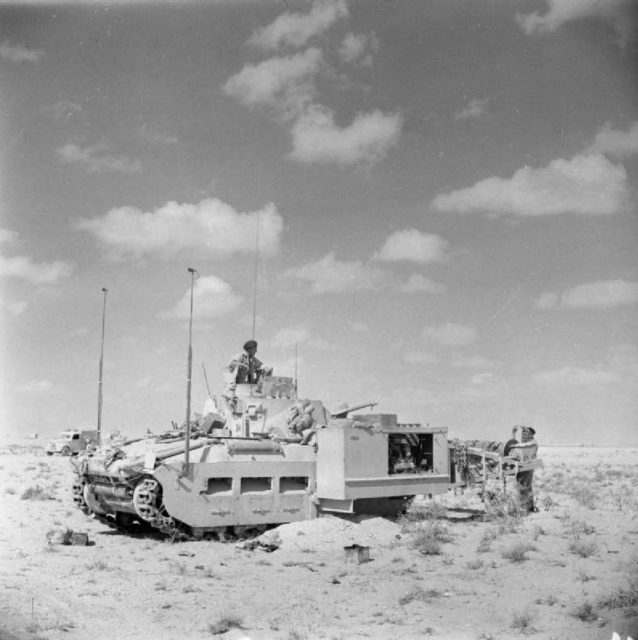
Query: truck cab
column 72, row 441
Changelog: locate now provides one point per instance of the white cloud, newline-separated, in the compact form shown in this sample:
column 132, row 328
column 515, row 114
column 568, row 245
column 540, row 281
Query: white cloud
column 593, row 295
column 620, row 14
column 615, row 142
column 587, row 184
column 316, row 137
column 359, row 48
column 157, row 137
column 64, row 109
column 295, row 29
column 419, row 357
column 474, row 109
column 473, row 362
column 18, row 53
column 36, row 273
column 211, row 227
column 6, row 235
column 36, row 387
column 16, row 308
column 212, row 297
column 575, row 376
column 97, row 160
column 329, row 275
column 287, row 337
column 451, row 334
column 419, row 283
column 286, row 83
column 414, row 246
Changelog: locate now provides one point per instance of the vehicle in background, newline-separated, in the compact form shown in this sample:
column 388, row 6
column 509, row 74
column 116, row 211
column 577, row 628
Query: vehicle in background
column 72, row 442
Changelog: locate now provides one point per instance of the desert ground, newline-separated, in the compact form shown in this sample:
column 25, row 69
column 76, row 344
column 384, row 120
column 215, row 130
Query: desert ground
column 446, row 570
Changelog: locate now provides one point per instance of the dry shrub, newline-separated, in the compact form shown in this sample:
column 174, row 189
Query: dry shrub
column 517, row 551
column 580, row 527
column 37, row 493
column 417, row 593
column 625, row 595
column 225, row 624
column 522, row 621
column 428, row 538
column 585, row 612
column 584, row 495
column 583, row 548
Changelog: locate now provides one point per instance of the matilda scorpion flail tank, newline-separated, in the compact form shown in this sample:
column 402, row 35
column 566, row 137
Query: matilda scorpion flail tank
column 262, row 456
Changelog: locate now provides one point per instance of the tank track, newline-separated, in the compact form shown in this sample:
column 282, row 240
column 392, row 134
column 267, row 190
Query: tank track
column 78, row 494
column 147, row 501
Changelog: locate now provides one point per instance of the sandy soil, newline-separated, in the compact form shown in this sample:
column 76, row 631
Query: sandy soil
column 579, row 555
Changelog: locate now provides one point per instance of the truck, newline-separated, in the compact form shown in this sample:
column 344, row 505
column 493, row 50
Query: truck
column 72, row 441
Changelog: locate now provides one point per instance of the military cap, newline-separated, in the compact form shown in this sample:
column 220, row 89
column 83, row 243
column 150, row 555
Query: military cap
column 250, row 344
column 529, row 431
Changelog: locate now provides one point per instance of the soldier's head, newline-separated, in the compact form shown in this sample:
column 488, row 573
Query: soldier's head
column 528, row 433
column 250, row 347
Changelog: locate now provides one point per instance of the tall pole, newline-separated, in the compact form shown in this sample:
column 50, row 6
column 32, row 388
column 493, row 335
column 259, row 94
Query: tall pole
column 189, row 372
column 99, row 385
column 255, row 278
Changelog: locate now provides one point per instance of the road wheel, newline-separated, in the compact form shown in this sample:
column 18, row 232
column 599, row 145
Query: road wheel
column 66, row 451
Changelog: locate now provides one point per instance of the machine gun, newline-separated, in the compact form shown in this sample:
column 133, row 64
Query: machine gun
column 343, row 412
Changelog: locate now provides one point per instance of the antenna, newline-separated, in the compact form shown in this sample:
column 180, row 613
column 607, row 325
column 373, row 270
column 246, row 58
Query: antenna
column 255, row 277
column 206, row 379
column 99, row 384
column 295, row 369
column 194, row 276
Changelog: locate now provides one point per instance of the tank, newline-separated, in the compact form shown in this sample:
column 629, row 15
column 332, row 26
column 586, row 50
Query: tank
column 261, row 456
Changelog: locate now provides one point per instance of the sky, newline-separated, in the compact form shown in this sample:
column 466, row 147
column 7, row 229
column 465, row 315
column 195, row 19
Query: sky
column 429, row 204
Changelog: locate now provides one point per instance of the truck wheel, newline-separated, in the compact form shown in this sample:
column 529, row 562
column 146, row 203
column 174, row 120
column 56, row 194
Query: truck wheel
column 66, row 451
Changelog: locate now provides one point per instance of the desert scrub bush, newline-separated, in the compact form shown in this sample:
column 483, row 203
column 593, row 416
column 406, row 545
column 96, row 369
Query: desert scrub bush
column 502, row 504
column 36, row 493
column 417, row 593
column 225, row 624
column 474, row 565
column 537, row 532
column 583, row 548
column 580, row 527
column 179, row 566
column 585, row 612
column 427, row 539
column 10, row 491
column 584, row 495
column 517, row 551
column 625, row 595
column 522, row 621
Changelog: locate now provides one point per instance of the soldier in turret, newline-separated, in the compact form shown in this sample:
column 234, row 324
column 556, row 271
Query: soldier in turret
column 245, row 367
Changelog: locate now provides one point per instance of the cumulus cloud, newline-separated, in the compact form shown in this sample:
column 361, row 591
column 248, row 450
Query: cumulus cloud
column 575, row 376
column 36, row 387
column 473, row 110
column 587, row 184
column 592, row 295
column 451, row 334
column 15, row 308
column 212, row 297
column 210, row 227
column 97, row 160
column 419, row 357
column 359, row 48
column 329, row 275
column 6, row 235
column 414, row 246
column 45, row 273
column 18, row 53
column 64, row 109
column 620, row 14
column 418, row 283
column 316, row 137
column 295, row 29
column 473, row 362
column 286, row 83
column 288, row 337
column 614, row 142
